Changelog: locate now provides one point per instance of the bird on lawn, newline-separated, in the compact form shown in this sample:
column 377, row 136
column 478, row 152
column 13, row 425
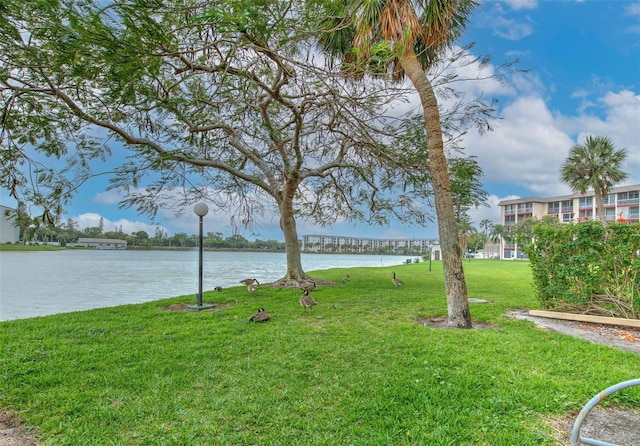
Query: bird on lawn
column 260, row 316
column 346, row 278
column 251, row 288
column 307, row 301
column 397, row 282
column 249, row 281
column 218, row 288
column 309, row 287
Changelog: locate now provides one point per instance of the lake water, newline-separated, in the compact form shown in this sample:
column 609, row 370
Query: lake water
column 38, row 283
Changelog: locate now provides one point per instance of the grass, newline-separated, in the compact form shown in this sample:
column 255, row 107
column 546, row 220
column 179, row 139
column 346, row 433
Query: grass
column 21, row 247
column 357, row 370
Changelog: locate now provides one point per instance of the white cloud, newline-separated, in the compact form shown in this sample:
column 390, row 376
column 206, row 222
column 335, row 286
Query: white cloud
column 526, row 147
column 494, row 19
column 521, row 4
column 620, row 122
column 108, row 197
column 530, row 142
column 633, row 9
column 92, row 220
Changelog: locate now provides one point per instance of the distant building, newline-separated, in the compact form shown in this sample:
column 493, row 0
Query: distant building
column 102, row 243
column 490, row 251
column 361, row 245
column 9, row 232
column 622, row 204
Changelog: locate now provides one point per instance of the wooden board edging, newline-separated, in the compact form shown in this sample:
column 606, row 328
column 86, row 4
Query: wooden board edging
column 587, row 318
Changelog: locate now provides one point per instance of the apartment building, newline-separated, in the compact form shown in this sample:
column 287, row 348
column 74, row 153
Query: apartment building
column 336, row 243
column 9, row 232
column 622, row 204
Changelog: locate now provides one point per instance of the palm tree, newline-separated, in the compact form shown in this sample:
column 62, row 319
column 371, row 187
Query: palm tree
column 594, row 164
column 486, row 225
column 405, row 38
column 498, row 233
column 465, row 232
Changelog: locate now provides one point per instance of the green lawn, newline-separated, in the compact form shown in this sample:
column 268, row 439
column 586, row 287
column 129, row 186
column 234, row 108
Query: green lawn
column 357, row 370
column 21, row 247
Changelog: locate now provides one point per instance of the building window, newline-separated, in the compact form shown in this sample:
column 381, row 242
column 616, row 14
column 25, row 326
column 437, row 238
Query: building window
column 567, row 206
column 525, row 208
column 627, row 198
column 509, row 219
column 553, row 208
column 609, row 200
column 510, row 209
column 567, row 217
column 585, row 203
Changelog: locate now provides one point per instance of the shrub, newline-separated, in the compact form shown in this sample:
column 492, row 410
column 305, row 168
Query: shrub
column 587, row 267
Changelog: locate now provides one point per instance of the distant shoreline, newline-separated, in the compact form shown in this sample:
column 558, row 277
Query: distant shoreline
column 20, row 247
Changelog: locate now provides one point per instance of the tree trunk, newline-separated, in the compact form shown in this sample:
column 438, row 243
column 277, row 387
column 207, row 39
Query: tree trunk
column 455, row 285
column 599, row 197
column 295, row 273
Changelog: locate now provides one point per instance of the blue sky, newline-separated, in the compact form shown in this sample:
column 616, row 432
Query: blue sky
column 583, row 78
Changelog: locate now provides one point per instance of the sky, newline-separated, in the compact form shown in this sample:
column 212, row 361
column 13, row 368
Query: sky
column 579, row 75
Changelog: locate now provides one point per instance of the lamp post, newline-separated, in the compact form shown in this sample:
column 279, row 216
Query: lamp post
column 430, row 255
column 200, row 209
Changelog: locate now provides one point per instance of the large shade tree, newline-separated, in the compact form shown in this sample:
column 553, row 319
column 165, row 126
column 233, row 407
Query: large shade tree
column 200, row 100
column 407, row 38
column 594, row 164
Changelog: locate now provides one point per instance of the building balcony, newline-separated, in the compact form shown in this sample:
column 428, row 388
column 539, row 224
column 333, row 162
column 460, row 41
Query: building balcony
column 629, row 202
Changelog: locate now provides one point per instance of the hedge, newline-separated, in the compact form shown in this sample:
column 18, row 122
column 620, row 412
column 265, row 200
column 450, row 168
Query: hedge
column 588, row 267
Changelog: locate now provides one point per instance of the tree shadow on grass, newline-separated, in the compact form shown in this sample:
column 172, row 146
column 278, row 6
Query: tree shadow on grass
column 186, row 307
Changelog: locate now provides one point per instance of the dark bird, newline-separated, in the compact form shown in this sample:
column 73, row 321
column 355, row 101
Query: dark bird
column 309, row 287
column 307, row 301
column 260, row 316
column 249, row 281
column 251, row 288
column 346, row 278
column 397, row 282
column 218, row 288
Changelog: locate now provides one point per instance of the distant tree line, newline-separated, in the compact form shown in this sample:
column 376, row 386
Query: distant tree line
column 42, row 230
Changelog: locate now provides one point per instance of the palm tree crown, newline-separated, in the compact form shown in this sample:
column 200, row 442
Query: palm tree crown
column 372, row 36
column 595, row 164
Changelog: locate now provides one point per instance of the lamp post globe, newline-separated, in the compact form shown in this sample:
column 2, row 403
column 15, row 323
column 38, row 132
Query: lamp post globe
column 201, row 209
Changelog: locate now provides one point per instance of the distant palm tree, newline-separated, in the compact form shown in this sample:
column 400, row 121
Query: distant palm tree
column 465, row 232
column 406, row 38
column 499, row 233
column 594, row 164
column 486, row 225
